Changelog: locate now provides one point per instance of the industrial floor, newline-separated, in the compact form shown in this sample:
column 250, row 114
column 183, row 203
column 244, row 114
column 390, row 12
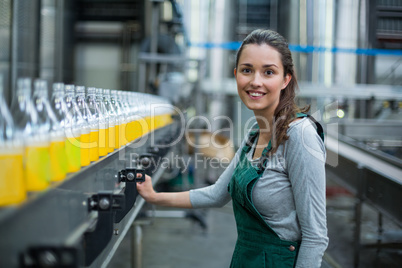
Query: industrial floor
column 184, row 242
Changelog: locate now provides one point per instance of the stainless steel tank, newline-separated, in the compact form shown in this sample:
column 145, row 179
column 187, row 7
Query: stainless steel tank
column 5, row 37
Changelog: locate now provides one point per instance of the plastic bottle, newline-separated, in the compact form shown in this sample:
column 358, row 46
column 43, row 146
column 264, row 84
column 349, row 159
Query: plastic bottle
column 31, row 129
column 63, row 116
column 90, row 99
column 121, row 119
column 156, row 109
column 58, row 158
column 123, row 97
column 13, row 189
column 134, row 128
column 103, row 124
column 146, row 110
column 140, row 124
column 163, row 112
column 85, row 138
column 112, row 120
column 73, row 126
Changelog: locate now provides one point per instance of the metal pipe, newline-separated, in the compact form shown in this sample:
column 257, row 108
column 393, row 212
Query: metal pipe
column 13, row 45
column 136, row 245
column 310, row 37
column 358, row 213
column 273, row 22
column 59, row 41
column 154, row 39
column 5, row 47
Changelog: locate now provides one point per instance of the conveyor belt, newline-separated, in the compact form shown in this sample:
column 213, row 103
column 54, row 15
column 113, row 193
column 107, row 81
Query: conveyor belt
column 364, row 159
column 106, row 256
column 59, row 223
column 367, row 176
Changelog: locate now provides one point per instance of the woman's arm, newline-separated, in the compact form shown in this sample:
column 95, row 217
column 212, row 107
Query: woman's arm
column 305, row 163
column 215, row 195
column 174, row 199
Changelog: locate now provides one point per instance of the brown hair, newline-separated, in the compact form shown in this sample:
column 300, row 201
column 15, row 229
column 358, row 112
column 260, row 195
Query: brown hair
column 286, row 111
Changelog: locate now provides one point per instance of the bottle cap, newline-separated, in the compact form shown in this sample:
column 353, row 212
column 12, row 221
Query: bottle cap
column 69, row 88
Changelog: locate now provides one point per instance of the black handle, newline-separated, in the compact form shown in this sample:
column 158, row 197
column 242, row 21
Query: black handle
column 50, row 257
column 106, row 203
column 129, row 176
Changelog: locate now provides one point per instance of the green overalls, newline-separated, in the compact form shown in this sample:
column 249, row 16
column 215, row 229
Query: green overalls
column 257, row 246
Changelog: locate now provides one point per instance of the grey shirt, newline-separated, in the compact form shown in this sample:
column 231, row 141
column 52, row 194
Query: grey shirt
column 290, row 195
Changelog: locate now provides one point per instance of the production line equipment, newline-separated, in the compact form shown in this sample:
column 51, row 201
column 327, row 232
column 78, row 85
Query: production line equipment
column 80, row 220
column 371, row 175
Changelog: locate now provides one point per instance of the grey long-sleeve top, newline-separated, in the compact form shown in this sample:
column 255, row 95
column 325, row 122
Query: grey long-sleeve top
column 290, row 195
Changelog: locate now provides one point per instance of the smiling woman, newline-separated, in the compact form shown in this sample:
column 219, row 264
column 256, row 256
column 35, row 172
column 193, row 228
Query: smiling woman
column 276, row 185
column 260, row 79
column 266, row 82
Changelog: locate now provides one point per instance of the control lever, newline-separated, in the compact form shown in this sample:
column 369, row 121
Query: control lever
column 106, row 203
column 129, row 176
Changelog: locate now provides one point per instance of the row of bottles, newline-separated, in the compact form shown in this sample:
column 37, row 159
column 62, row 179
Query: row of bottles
column 43, row 139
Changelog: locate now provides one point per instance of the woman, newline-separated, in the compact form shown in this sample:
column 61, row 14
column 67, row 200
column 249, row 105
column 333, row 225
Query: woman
column 277, row 179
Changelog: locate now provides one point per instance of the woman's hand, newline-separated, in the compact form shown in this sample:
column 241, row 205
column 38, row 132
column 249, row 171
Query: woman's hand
column 172, row 199
column 145, row 189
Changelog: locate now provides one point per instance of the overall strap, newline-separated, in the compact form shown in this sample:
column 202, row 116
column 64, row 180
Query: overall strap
column 253, row 134
column 264, row 158
column 320, row 130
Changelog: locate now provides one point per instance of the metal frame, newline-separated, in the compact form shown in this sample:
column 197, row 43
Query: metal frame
column 372, row 180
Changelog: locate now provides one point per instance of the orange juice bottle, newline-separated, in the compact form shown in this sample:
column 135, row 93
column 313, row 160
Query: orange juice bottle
column 103, row 140
column 12, row 183
column 37, row 163
column 121, row 118
column 126, row 129
column 85, row 139
column 94, row 144
column 124, row 99
column 150, row 113
column 75, row 127
column 165, row 117
column 90, row 99
column 73, row 151
column 112, row 120
column 140, row 126
column 111, row 137
column 58, row 165
column 58, row 158
column 62, row 149
column 37, row 150
column 144, row 112
column 162, row 110
column 103, row 123
column 32, row 127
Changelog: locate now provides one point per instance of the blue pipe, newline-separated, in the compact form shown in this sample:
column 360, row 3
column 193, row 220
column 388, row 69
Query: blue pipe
column 309, row 49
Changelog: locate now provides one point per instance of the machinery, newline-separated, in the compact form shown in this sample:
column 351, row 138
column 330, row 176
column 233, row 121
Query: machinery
column 81, row 221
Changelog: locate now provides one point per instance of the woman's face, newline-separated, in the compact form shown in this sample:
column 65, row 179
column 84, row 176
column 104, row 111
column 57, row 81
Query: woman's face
column 260, row 78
